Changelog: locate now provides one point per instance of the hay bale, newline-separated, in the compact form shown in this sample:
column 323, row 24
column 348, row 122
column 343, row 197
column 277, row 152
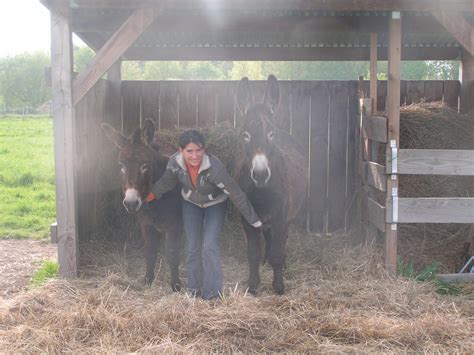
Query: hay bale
column 435, row 126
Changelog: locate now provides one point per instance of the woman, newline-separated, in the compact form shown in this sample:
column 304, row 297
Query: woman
column 206, row 185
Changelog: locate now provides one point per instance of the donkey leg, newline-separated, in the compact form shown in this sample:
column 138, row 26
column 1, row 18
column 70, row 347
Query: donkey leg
column 277, row 257
column 173, row 244
column 254, row 255
column 150, row 252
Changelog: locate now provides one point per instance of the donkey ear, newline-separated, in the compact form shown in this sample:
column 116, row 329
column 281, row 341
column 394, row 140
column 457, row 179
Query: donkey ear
column 272, row 94
column 137, row 136
column 244, row 96
column 117, row 138
column 148, row 130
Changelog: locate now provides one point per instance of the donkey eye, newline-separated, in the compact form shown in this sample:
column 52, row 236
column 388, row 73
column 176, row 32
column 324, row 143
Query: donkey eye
column 246, row 136
column 271, row 135
column 144, row 168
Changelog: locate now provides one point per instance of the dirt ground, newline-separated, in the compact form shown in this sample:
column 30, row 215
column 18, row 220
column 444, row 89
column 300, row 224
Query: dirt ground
column 18, row 260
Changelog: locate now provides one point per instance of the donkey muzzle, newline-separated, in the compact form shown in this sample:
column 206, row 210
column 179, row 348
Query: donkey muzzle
column 132, row 201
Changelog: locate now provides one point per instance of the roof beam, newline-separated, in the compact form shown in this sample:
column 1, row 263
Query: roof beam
column 314, row 5
column 112, row 50
column 109, row 22
column 287, row 53
column 458, row 27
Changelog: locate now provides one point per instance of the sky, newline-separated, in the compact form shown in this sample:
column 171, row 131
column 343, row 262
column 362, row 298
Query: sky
column 24, row 27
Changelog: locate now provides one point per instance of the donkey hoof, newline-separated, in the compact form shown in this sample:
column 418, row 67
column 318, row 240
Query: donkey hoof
column 279, row 289
column 176, row 286
column 149, row 279
column 252, row 291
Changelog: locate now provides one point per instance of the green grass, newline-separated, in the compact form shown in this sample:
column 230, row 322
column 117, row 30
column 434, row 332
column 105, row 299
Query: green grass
column 27, row 203
column 427, row 275
column 48, row 270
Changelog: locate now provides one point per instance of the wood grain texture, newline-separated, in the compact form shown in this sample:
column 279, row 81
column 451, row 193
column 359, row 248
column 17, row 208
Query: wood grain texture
column 64, row 142
column 435, row 210
column 393, row 114
column 435, row 162
column 112, row 50
column 376, row 213
column 375, row 128
column 375, row 176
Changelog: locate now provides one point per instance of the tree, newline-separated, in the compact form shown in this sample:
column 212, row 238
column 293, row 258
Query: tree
column 252, row 70
column 22, row 80
column 443, row 70
column 82, row 57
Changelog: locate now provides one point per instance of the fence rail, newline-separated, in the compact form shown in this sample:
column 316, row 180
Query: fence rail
column 377, row 215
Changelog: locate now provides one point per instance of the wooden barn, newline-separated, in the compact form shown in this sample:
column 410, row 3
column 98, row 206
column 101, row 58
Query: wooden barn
column 324, row 115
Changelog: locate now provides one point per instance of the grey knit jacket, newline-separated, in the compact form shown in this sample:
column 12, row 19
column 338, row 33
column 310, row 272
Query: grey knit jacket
column 214, row 185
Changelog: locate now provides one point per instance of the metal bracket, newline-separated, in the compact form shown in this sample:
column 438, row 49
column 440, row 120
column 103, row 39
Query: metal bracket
column 394, row 204
column 393, row 146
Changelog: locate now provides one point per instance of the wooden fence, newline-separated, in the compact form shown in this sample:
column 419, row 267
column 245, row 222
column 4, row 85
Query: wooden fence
column 391, row 211
column 413, row 91
column 322, row 115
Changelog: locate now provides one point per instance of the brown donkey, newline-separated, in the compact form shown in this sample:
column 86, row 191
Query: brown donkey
column 141, row 165
column 273, row 174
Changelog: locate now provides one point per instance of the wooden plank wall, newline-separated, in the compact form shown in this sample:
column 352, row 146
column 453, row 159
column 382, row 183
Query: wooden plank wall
column 322, row 115
column 90, row 112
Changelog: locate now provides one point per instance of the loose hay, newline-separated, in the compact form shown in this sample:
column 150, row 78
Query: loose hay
column 339, row 299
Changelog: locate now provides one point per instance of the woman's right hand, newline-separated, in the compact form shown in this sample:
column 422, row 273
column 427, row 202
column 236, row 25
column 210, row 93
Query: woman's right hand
column 151, row 196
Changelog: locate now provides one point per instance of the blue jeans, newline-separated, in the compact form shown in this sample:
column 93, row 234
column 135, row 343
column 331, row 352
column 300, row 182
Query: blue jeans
column 202, row 227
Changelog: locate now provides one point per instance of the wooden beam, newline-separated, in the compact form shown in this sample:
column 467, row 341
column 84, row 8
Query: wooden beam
column 393, row 113
column 456, row 278
column 64, row 141
column 285, row 53
column 373, row 71
column 434, row 162
column 110, row 21
column 304, row 5
column 467, row 82
column 458, row 27
column 435, row 210
column 112, row 51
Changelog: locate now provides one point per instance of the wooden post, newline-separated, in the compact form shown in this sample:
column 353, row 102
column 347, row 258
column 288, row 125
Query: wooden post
column 64, row 140
column 393, row 113
column 466, row 75
column 373, row 71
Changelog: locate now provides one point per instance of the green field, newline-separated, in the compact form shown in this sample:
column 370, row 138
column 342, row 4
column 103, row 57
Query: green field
column 27, row 203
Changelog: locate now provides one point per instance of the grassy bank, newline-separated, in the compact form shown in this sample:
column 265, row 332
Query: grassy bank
column 27, row 203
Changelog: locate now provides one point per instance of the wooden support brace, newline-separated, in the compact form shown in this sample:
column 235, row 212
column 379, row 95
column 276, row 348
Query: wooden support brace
column 458, row 27
column 112, row 50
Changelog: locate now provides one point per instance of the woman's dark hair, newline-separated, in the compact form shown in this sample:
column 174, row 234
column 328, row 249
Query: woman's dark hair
column 191, row 136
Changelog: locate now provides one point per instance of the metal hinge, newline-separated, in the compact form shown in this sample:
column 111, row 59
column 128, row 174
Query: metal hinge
column 393, row 146
column 394, row 208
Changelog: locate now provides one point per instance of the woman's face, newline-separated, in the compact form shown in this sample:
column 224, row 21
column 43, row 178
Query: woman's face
column 192, row 154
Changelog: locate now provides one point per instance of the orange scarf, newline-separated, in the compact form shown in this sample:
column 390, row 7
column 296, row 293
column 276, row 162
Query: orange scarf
column 193, row 172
